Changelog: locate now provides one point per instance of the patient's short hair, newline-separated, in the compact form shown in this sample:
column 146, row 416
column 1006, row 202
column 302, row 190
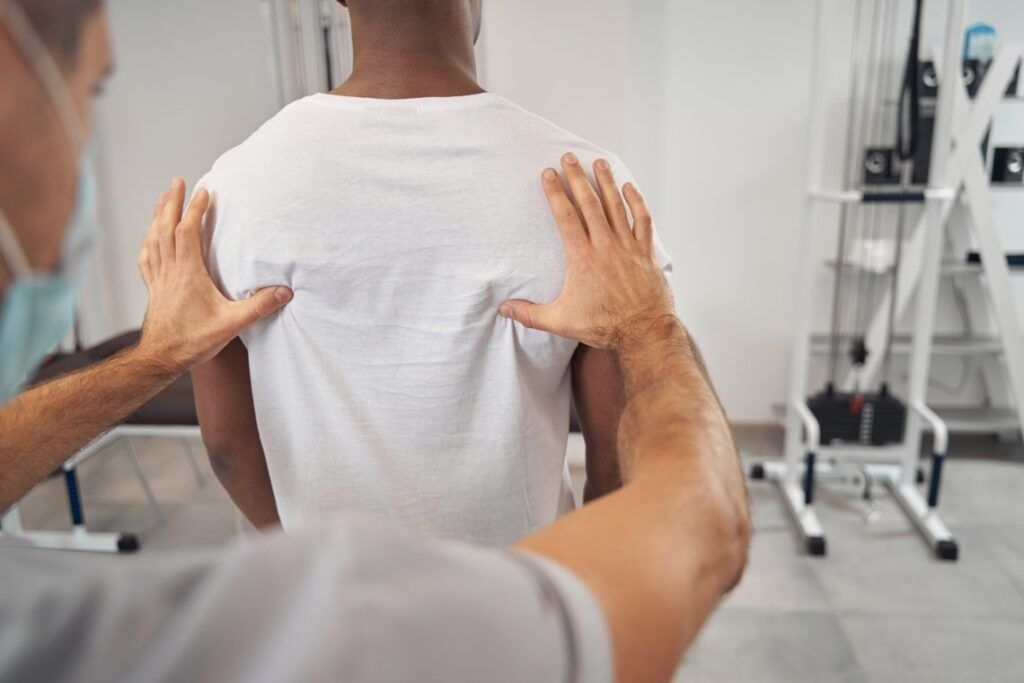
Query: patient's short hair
column 59, row 24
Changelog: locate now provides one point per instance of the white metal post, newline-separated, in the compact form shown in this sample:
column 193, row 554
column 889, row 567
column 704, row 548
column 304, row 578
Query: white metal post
column 928, row 290
column 800, row 351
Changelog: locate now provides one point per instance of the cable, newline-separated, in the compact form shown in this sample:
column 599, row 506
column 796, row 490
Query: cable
column 852, row 163
column 908, row 129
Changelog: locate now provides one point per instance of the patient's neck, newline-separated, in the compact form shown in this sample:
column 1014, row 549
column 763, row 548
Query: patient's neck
column 421, row 60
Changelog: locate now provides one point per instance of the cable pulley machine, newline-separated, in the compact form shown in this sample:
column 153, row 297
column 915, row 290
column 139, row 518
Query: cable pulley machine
column 896, row 161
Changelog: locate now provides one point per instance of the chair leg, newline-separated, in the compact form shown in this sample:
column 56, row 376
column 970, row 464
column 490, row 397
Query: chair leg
column 137, row 466
column 193, row 460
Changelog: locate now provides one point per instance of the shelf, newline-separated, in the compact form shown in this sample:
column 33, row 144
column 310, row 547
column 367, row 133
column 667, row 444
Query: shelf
column 949, row 268
column 978, row 420
column 941, row 345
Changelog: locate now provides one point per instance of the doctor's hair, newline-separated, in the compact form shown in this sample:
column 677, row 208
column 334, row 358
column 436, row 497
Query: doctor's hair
column 59, row 24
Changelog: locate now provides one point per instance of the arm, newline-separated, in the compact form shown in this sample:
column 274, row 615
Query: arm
column 659, row 553
column 597, row 394
column 228, row 420
column 187, row 321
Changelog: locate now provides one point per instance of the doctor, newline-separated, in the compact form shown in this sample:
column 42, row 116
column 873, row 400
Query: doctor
column 616, row 590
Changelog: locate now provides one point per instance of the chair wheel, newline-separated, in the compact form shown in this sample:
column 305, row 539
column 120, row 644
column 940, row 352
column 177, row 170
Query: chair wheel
column 816, row 546
column 757, row 471
column 947, row 550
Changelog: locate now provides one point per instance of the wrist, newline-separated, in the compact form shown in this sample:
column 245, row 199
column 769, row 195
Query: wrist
column 647, row 331
column 154, row 361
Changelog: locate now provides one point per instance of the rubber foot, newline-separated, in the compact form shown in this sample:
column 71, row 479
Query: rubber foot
column 947, row 550
column 920, row 475
column 757, row 471
column 816, row 545
column 128, row 543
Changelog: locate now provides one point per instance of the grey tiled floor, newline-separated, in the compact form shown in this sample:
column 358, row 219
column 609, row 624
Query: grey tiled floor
column 877, row 608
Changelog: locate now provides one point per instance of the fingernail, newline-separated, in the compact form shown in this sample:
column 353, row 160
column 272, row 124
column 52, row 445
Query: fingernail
column 570, row 158
column 549, row 174
column 283, row 294
column 630, row 187
column 602, row 164
column 505, row 311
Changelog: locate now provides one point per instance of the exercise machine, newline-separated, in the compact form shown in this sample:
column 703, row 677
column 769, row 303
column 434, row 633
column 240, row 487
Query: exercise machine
column 901, row 163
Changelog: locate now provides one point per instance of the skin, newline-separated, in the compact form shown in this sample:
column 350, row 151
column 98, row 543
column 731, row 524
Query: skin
column 401, row 50
column 188, row 320
column 659, row 553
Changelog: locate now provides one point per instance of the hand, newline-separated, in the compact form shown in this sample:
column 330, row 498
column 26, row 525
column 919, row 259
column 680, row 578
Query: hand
column 188, row 321
column 614, row 291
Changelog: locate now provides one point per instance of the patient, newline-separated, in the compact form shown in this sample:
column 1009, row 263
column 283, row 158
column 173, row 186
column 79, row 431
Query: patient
column 402, row 209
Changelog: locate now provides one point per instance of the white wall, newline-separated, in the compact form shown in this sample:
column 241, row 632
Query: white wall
column 706, row 101
column 193, row 79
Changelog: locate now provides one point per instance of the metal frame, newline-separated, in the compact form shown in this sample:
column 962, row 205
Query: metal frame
column 969, row 123
column 896, row 466
column 80, row 538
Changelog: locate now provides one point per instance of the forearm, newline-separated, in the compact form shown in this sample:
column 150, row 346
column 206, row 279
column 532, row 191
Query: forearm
column 46, row 425
column 660, row 553
column 244, row 476
column 227, row 416
column 597, row 390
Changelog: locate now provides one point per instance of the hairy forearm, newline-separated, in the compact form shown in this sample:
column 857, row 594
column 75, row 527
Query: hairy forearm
column 46, row 425
column 660, row 552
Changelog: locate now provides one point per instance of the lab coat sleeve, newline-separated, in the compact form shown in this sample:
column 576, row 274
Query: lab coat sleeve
column 353, row 600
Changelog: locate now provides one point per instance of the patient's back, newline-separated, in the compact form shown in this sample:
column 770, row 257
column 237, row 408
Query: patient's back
column 390, row 382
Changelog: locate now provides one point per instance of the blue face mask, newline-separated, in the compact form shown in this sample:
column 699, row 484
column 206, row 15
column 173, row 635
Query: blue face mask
column 38, row 309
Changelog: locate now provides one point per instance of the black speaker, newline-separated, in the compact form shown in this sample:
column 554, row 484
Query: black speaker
column 880, row 166
column 1008, row 165
column 928, row 80
column 974, row 74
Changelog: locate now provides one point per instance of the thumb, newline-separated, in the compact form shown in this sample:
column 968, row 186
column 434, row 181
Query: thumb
column 527, row 313
column 261, row 304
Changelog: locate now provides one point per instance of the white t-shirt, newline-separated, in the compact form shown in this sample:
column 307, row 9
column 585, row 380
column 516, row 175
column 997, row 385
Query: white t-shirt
column 390, row 383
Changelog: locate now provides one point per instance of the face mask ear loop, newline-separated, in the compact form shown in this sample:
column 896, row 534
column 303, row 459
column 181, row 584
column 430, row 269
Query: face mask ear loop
column 11, row 251
column 41, row 62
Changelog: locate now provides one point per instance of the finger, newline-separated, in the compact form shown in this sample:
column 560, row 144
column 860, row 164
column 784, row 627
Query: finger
column 144, row 268
column 642, row 223
column 159, row 205
column 529, row 314
column 261, row 304
column 574, row 235
column 170, row 216
column 586, row 199
column 612, row 200
column 152, row 248
column 186, row 238
column 153, row 229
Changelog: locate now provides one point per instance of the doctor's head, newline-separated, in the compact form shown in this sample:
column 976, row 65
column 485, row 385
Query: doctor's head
column 54, row 57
